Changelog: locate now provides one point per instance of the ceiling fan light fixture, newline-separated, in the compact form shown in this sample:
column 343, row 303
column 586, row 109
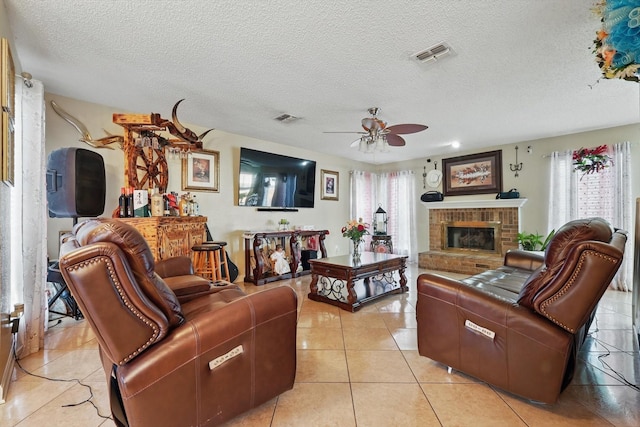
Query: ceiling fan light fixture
column 381, row 144
column 362, row 147
column 378, row 137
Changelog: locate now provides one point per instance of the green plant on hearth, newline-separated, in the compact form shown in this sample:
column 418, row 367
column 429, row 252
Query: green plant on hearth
column 534, row 242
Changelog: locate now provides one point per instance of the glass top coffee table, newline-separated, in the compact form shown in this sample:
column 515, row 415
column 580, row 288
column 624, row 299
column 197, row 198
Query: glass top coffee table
column 348, row 283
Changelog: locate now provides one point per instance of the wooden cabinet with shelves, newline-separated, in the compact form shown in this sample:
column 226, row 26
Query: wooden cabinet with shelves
column 258, row 246
column 170, row 236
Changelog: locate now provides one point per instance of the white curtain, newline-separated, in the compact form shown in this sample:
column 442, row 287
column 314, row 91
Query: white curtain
column 565, row 202
column 29, row 217
column 623, row 211
column 563, row 190
column 362, row 198
column 395, row 193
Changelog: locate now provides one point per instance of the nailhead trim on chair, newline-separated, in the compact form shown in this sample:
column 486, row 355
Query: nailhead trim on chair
column 125, row 300
column 568, row 285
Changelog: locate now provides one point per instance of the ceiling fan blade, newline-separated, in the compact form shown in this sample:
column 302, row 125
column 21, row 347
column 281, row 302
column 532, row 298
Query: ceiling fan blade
column 361, row 133
column 394, row 140
column 405, row 129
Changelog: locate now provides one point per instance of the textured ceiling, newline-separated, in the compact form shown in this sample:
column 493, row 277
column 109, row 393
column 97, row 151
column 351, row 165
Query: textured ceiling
column 521, row 69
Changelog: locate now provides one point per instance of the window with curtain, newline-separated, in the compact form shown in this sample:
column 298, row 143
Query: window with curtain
column 395, row 193
column 574, row 195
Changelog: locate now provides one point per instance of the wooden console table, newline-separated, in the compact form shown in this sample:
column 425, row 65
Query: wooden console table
column 258, row 244
column 170, row 236
column 348, row 284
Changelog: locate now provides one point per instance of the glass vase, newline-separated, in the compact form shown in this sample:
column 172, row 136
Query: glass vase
column 356, row 249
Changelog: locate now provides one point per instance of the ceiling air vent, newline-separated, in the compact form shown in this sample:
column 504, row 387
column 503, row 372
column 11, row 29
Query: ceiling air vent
column 433, row 53
column 286, row 118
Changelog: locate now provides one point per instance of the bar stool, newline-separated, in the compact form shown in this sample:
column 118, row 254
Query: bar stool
column 206, row 261
column 223, row 262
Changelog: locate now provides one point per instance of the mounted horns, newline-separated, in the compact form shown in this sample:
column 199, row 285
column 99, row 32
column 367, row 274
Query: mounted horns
column 183, row 132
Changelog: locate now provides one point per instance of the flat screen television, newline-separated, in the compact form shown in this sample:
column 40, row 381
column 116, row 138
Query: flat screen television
column 76, row 183
column 275, row 181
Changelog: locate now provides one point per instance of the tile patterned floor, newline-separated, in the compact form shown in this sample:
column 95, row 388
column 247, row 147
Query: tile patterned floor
column 361, row 369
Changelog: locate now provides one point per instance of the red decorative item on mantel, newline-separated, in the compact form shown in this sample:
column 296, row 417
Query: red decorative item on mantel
column 590, row 160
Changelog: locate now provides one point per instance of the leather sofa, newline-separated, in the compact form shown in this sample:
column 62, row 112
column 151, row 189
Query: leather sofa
column 519, row 327
column 178, row 350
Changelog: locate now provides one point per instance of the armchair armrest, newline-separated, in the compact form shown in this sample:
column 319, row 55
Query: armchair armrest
column 176, row 266
column 526, row 260
column 190, row 286
column 177, row 272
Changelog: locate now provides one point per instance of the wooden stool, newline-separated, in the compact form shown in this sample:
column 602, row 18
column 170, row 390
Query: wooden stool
column 206, row 261
column 223, row 262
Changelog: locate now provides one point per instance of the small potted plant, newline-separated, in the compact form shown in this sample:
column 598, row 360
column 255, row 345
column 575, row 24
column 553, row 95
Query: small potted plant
column 534, row 242
column 283, row 224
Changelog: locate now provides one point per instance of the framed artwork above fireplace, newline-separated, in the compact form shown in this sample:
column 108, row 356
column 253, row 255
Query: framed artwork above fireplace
column 473, row 174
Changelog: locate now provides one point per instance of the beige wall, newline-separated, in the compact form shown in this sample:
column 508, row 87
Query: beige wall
column 533, row 180
column 226, row 220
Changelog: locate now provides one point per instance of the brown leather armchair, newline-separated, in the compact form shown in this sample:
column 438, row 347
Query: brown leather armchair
column 197, row 360
column 520, row 327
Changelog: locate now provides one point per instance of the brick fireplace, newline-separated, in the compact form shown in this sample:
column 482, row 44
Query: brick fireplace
column 473, row 224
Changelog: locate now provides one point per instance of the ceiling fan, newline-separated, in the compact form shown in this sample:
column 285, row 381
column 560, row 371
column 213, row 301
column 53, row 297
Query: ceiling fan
column 377, row 135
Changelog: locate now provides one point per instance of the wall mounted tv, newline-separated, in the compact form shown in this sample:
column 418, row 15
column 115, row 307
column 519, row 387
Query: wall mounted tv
column 270, row 180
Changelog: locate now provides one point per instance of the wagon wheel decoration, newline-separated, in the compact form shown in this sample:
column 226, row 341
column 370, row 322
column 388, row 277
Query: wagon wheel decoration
column 148, row 168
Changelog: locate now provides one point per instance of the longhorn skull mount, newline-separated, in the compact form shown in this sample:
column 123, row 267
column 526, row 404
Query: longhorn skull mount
column 175, row 128
column 146, row 126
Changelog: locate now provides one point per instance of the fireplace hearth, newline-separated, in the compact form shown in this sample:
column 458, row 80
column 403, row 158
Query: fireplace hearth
column 459, row 232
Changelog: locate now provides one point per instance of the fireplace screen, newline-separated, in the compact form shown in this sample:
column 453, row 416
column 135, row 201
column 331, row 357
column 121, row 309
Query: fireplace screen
column 471, row 236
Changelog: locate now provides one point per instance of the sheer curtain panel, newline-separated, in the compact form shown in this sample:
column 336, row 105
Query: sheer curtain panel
column 606, row 194
column 29, row 217
column 395, row 193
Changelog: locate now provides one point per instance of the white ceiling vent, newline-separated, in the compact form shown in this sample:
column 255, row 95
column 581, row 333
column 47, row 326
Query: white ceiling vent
column 286, row 118
column 433, row 53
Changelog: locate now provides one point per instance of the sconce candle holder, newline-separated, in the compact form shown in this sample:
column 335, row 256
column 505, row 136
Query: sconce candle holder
column 517, row 167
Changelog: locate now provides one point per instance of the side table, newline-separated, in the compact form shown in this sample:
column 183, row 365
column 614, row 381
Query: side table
column 381, row 243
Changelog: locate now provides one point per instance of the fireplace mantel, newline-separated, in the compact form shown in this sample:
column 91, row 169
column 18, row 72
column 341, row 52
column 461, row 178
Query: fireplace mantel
column 476, row 204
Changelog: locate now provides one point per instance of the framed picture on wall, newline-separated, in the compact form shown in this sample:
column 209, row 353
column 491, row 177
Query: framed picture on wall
column 329, row 182
column 473, row 174
column 7, row 93
column 201, row 171
column 7, row 156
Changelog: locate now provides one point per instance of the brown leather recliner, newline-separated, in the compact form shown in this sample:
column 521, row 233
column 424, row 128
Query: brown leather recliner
column 197, row 360
column 520, row 327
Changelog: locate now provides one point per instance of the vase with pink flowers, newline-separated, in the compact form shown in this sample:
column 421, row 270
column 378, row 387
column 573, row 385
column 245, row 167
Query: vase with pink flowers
column 355, row 230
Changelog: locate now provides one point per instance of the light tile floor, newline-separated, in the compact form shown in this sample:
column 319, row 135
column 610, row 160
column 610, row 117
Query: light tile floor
column 357, row 369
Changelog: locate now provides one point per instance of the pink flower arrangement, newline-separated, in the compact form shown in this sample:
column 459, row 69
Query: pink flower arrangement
column 354, row 230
